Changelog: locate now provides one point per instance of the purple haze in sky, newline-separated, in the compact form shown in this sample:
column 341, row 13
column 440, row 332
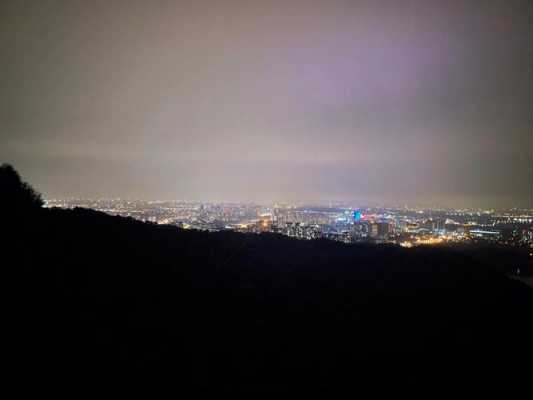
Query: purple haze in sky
column 391, row 102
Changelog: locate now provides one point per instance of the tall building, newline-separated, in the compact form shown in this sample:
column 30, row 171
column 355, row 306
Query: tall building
column 374, row 230
column 383, row 229
column 361, row 230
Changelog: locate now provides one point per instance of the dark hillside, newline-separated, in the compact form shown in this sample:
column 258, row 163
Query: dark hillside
column 92, row 295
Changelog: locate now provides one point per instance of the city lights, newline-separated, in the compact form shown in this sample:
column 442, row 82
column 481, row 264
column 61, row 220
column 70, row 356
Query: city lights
column 406, row 227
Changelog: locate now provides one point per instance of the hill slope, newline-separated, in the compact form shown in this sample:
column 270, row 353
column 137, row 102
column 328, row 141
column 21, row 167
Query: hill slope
column 100, row 295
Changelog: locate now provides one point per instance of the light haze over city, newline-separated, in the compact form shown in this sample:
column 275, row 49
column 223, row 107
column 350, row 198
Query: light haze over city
column 371, row 102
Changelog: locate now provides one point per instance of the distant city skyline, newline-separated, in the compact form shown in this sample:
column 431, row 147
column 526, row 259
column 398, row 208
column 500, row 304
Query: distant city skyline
column 347, row 205
column 406, row 227
column 416, row 102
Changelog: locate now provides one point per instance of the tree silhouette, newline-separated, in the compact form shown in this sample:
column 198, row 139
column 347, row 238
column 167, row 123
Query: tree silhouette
column 15, row 195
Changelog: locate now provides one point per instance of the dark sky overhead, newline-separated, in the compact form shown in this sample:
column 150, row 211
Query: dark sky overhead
column 387, row 102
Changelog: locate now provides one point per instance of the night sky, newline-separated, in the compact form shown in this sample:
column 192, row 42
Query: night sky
column 373, row 102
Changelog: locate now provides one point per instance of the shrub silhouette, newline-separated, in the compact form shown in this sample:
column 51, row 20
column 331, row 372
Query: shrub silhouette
column 15, row 195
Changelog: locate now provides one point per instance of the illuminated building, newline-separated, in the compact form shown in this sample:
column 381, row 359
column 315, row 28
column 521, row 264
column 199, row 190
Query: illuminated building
column 374, row 230
column 383, row 229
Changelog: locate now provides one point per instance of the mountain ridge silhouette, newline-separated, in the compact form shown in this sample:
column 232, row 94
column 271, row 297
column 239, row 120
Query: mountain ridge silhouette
column 96, row 296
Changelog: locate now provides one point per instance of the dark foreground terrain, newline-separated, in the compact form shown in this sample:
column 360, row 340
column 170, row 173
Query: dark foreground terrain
column 93, row 297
